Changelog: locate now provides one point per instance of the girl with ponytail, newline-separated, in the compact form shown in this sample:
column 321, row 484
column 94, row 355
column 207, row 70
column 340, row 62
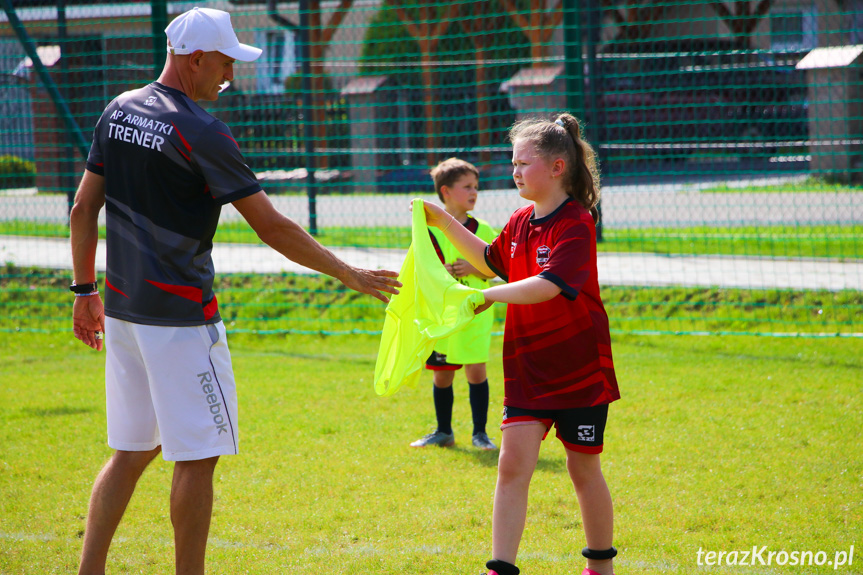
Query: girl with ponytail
column 558, row 368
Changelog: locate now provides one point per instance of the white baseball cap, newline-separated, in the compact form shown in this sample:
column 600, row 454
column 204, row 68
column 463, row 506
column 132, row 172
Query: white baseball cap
column 210, row 31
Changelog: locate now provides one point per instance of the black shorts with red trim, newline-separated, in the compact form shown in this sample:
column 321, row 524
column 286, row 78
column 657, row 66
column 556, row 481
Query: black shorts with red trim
column 579, row 429
column 437, row 362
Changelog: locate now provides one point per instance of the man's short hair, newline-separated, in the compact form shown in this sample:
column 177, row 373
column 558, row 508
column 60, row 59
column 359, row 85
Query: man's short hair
column 448, row 172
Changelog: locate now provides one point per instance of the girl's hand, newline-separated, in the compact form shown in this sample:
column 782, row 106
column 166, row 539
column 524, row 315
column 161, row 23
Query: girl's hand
column 479, row 309
column 436, row 216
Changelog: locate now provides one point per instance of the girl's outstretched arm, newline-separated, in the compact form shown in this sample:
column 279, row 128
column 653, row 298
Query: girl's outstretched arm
column 469, row 245
column 523, row 292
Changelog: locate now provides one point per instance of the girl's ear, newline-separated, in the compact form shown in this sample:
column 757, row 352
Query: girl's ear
column 558, row 167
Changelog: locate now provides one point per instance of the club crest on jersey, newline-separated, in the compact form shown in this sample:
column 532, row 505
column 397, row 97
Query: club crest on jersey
column 542, row 254
column 512, row 247
column 150, row 101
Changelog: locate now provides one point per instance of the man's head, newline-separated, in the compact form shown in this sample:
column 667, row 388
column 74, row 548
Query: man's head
column 202, row 48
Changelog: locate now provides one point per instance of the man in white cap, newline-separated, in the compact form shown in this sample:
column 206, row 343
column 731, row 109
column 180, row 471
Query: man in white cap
column 163, row 167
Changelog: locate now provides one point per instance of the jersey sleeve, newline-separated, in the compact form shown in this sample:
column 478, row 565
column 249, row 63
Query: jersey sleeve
column 95, row 160
column 497, row 254
column 218, row 156
column 568, row 266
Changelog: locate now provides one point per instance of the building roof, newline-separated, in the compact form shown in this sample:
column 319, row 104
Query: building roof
column 364, row 85
column 830, row 57
column 527, row 77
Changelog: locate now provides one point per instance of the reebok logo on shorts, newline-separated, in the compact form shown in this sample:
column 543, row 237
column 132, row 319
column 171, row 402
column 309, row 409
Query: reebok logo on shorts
column 205, row 380
column 586, row 433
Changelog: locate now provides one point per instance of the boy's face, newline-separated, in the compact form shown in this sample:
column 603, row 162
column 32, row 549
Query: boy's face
column 461, row 196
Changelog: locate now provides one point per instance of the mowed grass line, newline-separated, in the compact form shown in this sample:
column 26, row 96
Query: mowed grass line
column 718, row 444
column 828, row 241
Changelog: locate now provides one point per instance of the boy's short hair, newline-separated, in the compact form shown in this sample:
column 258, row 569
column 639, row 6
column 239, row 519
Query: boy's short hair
column 448, row 172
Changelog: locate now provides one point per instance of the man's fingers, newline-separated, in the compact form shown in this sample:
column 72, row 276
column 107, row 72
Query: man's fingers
column 386, row 273
column 381, row 296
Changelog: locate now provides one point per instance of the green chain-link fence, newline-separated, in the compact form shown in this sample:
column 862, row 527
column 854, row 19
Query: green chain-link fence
column 730, row 137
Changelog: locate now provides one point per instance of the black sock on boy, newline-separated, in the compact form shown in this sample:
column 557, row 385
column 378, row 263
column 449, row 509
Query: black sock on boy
column 479, row 405
column 443, row 400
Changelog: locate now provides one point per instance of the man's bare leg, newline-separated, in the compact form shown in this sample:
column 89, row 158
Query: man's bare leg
column 191, row 510
column 112, row 491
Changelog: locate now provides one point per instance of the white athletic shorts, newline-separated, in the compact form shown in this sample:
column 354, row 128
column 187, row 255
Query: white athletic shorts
column 170, row 386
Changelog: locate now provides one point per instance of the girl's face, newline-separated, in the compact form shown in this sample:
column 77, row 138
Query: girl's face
column 536, row 177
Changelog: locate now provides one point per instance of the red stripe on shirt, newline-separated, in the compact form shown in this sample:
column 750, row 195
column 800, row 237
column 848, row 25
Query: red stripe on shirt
column 211, row 309
column 230, row 138
column 188, row 159
column 182, row 139
column 187, row 292
column 111, row 286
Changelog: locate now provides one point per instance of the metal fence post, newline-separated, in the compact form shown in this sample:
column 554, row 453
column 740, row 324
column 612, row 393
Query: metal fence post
column 159, row 21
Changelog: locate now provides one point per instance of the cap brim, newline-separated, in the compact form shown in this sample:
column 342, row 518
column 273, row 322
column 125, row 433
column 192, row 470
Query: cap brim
column 243, row 53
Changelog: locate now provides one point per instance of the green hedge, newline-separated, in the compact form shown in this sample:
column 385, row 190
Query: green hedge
column 16, row 172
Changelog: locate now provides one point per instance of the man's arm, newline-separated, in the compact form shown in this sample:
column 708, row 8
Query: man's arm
column 88, row 314
column 292, row 241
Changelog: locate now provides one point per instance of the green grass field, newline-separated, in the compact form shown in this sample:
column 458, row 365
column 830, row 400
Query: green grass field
column 719, row 444
column 34, row 300
column 807, row 185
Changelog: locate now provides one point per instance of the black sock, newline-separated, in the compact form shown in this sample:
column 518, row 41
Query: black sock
column 502, row 567
column 443, row 399
column 479, row 405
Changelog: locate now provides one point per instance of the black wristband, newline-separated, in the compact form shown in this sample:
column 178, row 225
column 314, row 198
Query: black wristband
column 84, row 288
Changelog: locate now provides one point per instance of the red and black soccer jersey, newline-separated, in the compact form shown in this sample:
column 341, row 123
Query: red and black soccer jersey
column 556, row 354
column 169, row 166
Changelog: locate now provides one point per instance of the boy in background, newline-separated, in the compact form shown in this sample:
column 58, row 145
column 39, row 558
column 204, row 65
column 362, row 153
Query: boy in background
column 456, row 183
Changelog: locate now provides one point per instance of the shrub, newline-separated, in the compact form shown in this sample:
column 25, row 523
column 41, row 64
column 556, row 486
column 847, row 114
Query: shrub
column 16, row 172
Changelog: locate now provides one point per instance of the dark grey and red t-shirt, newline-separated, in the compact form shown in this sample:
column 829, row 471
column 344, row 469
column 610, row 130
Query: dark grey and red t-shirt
column 169, row 166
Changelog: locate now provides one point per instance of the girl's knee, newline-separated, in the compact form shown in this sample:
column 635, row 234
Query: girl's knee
column 513, row 467
column 583, row 468
column 513, row 472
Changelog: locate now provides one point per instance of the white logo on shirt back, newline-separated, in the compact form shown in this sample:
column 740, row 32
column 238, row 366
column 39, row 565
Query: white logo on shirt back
column 512, row 247
column 150, row 101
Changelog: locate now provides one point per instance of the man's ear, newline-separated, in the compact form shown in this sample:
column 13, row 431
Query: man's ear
column 195, row 59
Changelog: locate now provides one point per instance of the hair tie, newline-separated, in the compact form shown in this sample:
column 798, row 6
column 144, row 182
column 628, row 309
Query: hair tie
column 560, row 123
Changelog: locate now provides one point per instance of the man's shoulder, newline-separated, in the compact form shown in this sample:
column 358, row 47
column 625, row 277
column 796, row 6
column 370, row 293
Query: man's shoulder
column 157, row 100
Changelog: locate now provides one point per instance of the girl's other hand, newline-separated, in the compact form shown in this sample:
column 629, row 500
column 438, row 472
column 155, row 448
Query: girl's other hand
column 436, row 216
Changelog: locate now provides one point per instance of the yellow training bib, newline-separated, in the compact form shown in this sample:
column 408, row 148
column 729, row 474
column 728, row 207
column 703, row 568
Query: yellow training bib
column 430, row 305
